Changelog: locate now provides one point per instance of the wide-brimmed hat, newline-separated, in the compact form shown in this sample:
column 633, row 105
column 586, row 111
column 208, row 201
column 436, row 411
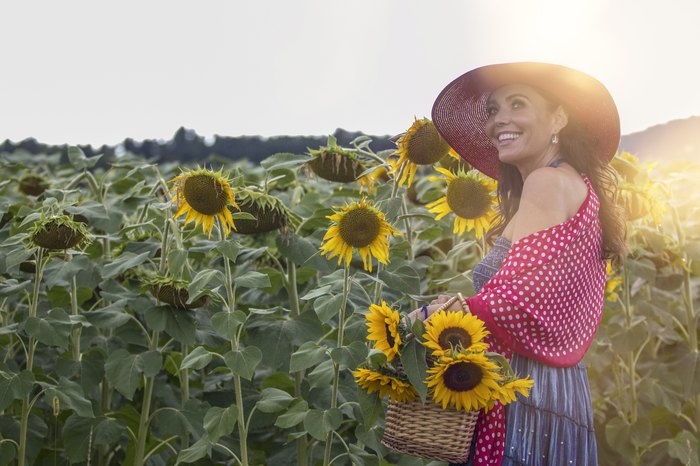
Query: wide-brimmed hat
column 459, row 112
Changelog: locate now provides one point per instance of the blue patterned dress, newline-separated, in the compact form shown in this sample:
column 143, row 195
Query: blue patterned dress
column 554, row 425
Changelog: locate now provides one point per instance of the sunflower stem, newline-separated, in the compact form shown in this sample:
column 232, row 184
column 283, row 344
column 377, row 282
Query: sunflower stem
column 145, row 411
column 74, row 311
column 230, row 294
column 94, row 186
column 291, row 283
column 378, row 284
column 26, row 402
column 336, row 366
column 630, row 363
column 164, row 248
column 184, row 394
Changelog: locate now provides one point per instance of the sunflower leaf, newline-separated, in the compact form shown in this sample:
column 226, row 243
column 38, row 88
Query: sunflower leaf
column 244, row 362
column 220, row 421
column 306, row 356
column 413, row 360
column 328, row 306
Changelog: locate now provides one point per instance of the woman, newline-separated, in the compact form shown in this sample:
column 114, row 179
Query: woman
column 546, row 132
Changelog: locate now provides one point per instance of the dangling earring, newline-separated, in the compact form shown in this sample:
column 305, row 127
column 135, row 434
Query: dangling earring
column 555, row 139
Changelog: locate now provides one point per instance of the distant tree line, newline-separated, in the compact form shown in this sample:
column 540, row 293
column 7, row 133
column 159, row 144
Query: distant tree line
column 187, row 146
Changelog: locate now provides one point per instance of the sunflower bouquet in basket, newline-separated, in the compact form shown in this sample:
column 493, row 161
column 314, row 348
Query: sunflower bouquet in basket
column 437, row 374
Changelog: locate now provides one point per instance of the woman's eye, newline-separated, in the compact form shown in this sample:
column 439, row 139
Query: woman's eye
column 491, row 110
column 517, row 103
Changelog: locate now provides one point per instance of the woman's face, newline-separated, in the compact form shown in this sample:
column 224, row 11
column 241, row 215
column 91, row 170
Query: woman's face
column 521, row 126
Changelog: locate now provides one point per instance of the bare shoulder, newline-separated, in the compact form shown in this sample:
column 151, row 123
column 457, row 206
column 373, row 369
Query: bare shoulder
column 550, row 196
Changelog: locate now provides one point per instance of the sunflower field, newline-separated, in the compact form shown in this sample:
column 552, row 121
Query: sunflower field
column 217, row 315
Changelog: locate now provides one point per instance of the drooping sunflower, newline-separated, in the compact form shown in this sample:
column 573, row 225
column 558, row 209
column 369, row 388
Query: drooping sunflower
column 172, row 291
column 420, row 145
column 333, row 163
column 371, row 179
column 387, row 385
column 506, row 392
column 270, row 213
column 58, row 232
column 382, row 323
column 470, row 196
column 446, row 331
column 204, row 195
column 466, row 381
column 362, row 226
column 33, row 185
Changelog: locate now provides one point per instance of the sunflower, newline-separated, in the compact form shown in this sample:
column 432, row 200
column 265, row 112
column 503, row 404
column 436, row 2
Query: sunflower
column 612, row 283
column 466, row 381
column 358, row 225
column 333, row 163
column 369, row 181
column 58, row 232
column 174, row 292
column 398, row 390
column 383, row 323
column 33, row 185
column 470, row 196
column 204, row 195
column 506, row 392
column 446, row 331
column 420, row 145
column 270, row 213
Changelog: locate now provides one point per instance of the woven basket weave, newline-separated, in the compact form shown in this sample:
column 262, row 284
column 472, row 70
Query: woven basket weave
column 427, row 430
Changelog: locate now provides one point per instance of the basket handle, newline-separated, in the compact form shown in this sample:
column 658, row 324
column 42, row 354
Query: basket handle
column 445, row 305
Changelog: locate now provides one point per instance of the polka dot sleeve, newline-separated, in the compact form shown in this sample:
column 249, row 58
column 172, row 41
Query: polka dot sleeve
column 546, row 301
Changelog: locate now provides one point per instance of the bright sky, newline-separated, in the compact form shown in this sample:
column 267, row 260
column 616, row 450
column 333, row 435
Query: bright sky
column 87, row 71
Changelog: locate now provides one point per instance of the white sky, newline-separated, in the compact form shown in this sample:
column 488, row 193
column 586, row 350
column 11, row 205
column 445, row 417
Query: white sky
column 89, row 71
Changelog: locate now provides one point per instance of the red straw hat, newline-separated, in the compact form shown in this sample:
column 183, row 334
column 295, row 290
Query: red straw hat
column 459, row 112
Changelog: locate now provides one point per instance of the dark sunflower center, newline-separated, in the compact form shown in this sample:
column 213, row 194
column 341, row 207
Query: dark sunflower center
column 359, row 227
column 426, row 146
column 205, row 194
column 454, row 336
column 463, row 376
column 468, row 198
column 389, row 336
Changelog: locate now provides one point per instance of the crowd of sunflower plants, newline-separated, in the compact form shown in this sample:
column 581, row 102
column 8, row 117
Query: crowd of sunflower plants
column 157, row 314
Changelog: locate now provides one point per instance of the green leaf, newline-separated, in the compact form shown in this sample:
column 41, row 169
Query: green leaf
column 640, row 433
column 294, row 415
column 316, row 292
column 404, row 279
column 319, row 422
column 350, row 356
column 14, row 387
column 370, row 406
column 76, row 437
column 199, row 450
column 175, row 322
column 177, row 258
column 413, row 360
column 197, row 359
column 300, row 251
column 689, row 366
column 109, row 317
column 327, row 307
column 244, row 362
column 306, row 356
column 202, row 280
column 123, row 263
column 252, row 279
column 220, row 421
column 228, row 248
column 226, row 323
column 152, row 362
column 617, row 433
column 123, row 370
column 107, row 431
column 79, row 160
column 322, row 375
column 684, row 447
column 71, row 396
column 273, row 400
column 284, row 160
column 54, row 330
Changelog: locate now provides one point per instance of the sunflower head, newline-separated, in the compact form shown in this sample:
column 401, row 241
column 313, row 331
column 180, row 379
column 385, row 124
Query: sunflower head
column 58, row 232
column 383, row 329
column 466, row 381
column 387, row 384
column 204, row 195
column 626, row 165
column 334, row 163
column 447, row 332
column 509, row 387
column 470, row 195
column 33, row 185
column 612, row 284
column 362, row 226
column 420, row 145
column 173, row 291
column 269, row 212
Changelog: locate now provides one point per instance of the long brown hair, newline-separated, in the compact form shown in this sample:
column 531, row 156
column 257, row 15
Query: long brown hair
column 577, row 148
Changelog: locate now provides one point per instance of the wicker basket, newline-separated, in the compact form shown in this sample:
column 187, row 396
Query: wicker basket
column 427, row 430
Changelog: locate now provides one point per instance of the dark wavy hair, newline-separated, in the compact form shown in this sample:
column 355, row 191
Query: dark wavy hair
column 577, row 148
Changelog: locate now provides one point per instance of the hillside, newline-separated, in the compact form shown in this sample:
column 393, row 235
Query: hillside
column 672, row 141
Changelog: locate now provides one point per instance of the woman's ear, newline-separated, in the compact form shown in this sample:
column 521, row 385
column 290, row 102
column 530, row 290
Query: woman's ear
column 560, row 119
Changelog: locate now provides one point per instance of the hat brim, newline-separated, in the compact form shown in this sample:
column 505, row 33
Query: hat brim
column 459, row 112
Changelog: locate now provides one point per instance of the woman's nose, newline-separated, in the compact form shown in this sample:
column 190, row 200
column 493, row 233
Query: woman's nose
column 501, row 117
